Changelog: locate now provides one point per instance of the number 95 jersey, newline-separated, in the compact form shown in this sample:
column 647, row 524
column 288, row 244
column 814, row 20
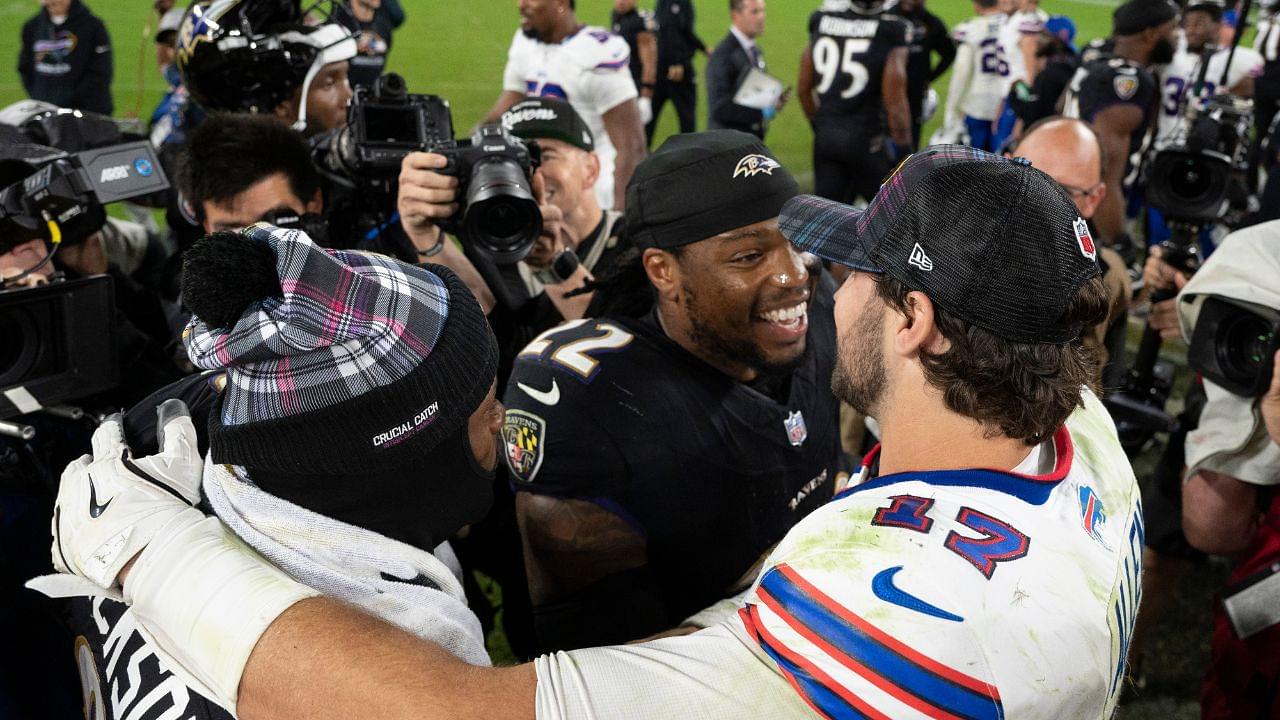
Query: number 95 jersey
column 712, row 472
column 964, row 593
column 849, row 52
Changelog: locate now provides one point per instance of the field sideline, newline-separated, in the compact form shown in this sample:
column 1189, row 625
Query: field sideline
column 458, row 49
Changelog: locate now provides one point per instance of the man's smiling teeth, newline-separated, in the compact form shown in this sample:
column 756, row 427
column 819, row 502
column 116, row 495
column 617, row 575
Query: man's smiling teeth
column 786, row 316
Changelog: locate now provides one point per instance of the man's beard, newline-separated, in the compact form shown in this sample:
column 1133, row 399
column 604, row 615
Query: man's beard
column 1162, row 53
column 859, row 376
column 735, row 351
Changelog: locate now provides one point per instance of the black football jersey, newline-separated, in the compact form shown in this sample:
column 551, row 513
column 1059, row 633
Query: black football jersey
column 1103, row 83
column 849, row 53
column 711, row 471
column 628, row 26
column 120, row 674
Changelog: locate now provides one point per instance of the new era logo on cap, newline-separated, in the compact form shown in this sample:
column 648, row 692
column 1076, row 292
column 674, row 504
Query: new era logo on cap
column 919, row 259
column 755, row 164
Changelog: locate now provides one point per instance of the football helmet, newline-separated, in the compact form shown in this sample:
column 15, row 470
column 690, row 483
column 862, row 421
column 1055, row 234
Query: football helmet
column 252, row 55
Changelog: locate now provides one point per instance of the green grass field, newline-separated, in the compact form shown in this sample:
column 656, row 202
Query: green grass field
column 458, row 49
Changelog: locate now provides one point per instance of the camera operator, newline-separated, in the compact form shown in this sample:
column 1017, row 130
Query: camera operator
column 1230, row 504
column 577, row 237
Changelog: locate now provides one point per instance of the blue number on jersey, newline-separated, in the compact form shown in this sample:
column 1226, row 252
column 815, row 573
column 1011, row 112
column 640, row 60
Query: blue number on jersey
column 907, row 511
column 1001, row 542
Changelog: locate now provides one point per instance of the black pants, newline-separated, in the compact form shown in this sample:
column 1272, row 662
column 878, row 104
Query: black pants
column 848, row 162
column 683, row 94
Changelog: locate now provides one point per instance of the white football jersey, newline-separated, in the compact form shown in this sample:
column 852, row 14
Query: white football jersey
column 1179, row 76
column 970, row 593
column 590, row 69
column 1019, row 25
column 990, row 81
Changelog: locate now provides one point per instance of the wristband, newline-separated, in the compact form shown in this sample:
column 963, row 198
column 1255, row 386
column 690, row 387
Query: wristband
column 563, row 266
column 434, row 249
column 203, row 598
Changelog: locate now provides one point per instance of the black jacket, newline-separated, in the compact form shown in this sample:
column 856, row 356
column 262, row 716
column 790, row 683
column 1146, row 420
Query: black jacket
column 726, row 67
column 68, row 65
column 677, row 40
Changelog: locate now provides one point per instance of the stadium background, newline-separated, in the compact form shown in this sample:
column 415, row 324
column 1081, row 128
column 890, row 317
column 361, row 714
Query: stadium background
column 457, row 49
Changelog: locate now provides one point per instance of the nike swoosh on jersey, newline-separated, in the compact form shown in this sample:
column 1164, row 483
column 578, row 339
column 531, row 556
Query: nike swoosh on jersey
column 420, row 579
column 94, row 508
column 547, row 397
column 884, row 588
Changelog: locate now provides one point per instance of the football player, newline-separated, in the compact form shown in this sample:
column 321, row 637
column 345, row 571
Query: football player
column 853, row 88
column 1020, row 38
column 263, row 57
column 1116, row 94
column 929, row 36
column 978, row 78
column 554, row 55
column 985, row 562
column 659, row 452
column 1200, row 23
column 639, row 28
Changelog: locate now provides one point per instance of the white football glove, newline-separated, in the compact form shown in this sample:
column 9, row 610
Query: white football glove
column 110, row 505
column 646, row 109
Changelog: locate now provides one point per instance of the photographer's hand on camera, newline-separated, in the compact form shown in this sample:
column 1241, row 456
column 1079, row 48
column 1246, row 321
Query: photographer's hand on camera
column 86, row 258
column 1271, row 403
column 425, row 197
column 1158, row 275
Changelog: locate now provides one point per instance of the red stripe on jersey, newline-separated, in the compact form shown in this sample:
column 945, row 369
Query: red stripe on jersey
column 1064, row 452
column 762, row 635
column 903, row 695
column 887, row 640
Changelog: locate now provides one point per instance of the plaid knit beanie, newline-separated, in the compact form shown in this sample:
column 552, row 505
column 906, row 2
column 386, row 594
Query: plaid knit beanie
column 337, row 362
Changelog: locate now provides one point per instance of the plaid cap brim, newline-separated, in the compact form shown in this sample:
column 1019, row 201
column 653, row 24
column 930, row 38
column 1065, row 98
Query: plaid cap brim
column 829, row 230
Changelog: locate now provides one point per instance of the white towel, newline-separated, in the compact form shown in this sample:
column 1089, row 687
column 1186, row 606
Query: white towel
column 417, row 591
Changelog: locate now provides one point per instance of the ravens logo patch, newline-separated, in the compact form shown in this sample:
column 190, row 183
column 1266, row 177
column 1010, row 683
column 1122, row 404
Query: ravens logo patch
column 522, row 437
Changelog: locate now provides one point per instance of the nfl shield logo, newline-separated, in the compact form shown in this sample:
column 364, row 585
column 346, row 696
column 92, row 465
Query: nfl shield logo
column 1085, row 240
column 797, row 433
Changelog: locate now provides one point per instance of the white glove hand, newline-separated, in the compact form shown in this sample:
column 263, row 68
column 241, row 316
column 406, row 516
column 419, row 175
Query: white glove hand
column 646, row 109
column 109, row 505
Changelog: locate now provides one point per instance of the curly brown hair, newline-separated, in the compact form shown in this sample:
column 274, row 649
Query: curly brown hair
column 1019, row 390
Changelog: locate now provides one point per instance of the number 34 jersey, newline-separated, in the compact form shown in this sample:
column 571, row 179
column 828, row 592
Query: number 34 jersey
column 849, row 52
column 969, row 593
column 711, row 471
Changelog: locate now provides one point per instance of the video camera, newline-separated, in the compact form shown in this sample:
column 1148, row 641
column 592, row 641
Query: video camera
column 62, row 196
column 1189, row 182
column 497, row 214
column 1234, row 345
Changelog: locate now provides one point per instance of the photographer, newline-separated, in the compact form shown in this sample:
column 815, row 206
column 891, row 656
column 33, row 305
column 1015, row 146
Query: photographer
column 1230, row 505
column 577, row 235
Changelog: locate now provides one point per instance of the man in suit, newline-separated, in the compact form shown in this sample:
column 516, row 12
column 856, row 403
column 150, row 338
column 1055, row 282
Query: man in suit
column 729, row 64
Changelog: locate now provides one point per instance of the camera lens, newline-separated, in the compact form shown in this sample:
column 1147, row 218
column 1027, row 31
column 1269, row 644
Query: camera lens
column 17, row 353
column 1244, row 346
column 502, row 220
column 1189, row 182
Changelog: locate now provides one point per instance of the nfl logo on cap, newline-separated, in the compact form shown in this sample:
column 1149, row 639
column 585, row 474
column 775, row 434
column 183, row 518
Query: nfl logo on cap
column 1085, row 239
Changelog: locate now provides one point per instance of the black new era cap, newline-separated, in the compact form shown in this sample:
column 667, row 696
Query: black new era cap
column 990, row 240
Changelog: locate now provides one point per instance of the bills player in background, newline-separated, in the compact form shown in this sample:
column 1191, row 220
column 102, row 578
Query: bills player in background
column 1115, row 93
column 554, row 55
column 853, row 88
column 1201, row 21
column 1020, row 37
column 978, row 79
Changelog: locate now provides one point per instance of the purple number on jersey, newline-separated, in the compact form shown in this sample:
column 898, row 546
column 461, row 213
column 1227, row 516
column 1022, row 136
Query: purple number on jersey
column 1001, row 542
column 907, row 511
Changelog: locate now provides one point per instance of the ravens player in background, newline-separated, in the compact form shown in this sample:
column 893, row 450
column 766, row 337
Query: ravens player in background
column 929, row 36
column 853, row 88
column 660, row 449
column 640, row 30
column 1116, row 94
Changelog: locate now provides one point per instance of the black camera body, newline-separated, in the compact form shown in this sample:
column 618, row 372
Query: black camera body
column 497, row 214
column 1234, row 345
column 63, row 193
column 1189, row 182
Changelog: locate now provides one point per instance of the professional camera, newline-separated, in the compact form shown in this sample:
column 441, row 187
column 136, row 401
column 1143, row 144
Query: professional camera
column 1234, row 345
column 58, row 196
column 1190, row 181
column 497, row 214
column 57, row 343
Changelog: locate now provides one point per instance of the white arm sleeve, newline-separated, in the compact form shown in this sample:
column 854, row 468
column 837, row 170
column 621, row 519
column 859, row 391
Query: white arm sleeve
column 961, row 71
column 714, row 673
column 512, row 75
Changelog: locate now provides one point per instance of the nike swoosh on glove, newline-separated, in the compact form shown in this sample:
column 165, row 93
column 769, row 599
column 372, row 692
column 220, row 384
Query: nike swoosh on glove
column 110, row 505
